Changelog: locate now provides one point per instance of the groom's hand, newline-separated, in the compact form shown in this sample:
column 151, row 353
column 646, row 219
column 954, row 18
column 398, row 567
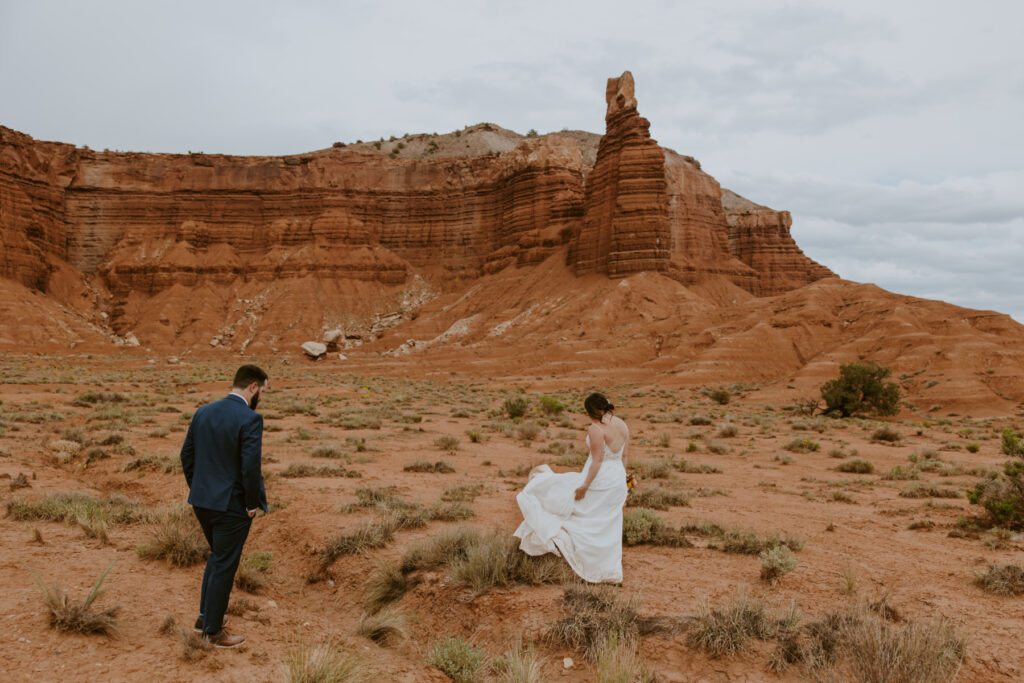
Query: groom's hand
column 580, row 492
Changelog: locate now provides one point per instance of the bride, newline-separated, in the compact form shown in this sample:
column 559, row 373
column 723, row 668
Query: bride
column 578, row 515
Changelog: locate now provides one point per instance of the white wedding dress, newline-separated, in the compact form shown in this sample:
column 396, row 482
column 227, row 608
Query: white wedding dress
column 587, row 532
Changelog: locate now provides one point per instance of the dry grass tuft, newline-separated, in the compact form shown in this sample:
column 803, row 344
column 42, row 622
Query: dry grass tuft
column 323, row 662
column 725, row 631
column 657, row 498
column 439, row 467
column 80, row 617
column 177, row 538
column 252, row 571
column 385, row 627
column 1002, row 580
column 519, row 664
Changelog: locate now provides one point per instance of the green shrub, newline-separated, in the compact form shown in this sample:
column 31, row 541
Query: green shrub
column 458, row 658
column 886, row 434
column 515, row 406
column 720, row 396
column 1012, row 444
column 1005, row 580
column 447, row 442
column 860, row 388
column 551, row 405
column 1002, row 496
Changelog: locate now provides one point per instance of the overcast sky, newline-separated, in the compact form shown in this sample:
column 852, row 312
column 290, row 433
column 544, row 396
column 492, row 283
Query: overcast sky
column 893, row 130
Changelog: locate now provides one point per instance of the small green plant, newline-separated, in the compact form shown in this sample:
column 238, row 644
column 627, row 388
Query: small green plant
column 776, row 562
column 458, row 658
column 641, row 526
column 973, row 447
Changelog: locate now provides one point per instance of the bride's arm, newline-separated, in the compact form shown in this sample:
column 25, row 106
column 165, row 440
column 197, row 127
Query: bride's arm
column 596, row 457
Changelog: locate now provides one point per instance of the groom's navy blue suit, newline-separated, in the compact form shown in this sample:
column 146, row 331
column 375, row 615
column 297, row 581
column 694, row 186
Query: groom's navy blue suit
column 221, row 458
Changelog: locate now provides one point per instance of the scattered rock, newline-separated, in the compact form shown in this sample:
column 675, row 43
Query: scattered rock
column 342, row 356
column 567, row 663
column 314, row 349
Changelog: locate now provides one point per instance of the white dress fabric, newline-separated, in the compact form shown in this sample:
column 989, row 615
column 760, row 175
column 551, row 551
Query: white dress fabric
column 587, row 532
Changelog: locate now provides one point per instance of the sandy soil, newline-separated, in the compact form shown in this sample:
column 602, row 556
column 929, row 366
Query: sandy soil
column 852, row 524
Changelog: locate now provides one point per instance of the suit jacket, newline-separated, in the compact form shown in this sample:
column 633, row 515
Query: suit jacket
column 222, row 456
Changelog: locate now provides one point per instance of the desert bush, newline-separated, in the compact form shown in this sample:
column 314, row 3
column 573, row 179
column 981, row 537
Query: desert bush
column 385, row 627
column 474, row 436
column 860, row 387
column 776, row 562
column 899, row 473
column 928, row 491
column 656, row 498
column 551, row 405
column 482, row 560
column 802, row 445
column 1012, row 444
column 886, row 434
column 528, row 431
column 439, row 467
column 686, row 467
column 323, row 662
column 856, row 466
column 78, row 617
column 653, row 469
column 742, row 541
column 300, row 469
column 571, row 459
column 177, row 538
column 447, row 442
column 458, row 658
column 515, row 406
column 73, row 507
column 720, row 396
column 727, row 431
column 699, row 420
column 593, row 614
column 717, row 447
column 817, row 425
column 1002, row 496
column 325, row 451
column 252, row 571
column 1002, row 580
column 462, row 492
column 643, row 527
column 94, row 397
column 725, row 631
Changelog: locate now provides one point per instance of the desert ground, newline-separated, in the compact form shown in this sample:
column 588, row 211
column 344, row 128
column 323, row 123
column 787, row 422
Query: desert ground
column 895, row 540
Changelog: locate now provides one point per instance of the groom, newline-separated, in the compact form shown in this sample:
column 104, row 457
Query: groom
column 221, row 460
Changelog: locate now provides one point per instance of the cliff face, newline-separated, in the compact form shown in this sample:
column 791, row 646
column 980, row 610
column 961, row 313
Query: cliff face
column 183, row 247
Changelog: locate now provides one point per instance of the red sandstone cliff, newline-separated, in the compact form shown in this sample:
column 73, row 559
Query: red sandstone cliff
column 485, row 246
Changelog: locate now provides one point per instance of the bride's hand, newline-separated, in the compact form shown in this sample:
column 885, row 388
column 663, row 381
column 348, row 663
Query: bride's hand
column 580, row 492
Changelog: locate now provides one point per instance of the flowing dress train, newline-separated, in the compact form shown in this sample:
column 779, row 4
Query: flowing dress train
column 587, row 532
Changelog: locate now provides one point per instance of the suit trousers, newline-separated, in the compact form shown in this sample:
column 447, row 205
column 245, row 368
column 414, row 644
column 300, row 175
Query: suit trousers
column 226, row 533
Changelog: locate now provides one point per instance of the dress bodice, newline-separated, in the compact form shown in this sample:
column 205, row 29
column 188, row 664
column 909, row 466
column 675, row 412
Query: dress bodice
column 609, row 454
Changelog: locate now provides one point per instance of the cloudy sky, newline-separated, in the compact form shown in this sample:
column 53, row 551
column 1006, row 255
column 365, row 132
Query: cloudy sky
column 893, row 130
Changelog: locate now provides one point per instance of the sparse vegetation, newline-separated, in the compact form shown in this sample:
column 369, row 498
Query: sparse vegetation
column 439, row 467
column 643, row 527
column 1002, row 580
column 177, row 538
column 802, row 445
column 776, row 562
column 322, row 662
column 856, row 466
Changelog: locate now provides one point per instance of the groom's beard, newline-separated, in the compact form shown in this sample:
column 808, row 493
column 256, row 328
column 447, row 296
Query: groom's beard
column 254, row 401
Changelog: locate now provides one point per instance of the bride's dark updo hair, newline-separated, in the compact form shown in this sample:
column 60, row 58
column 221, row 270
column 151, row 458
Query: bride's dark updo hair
column 597, row 405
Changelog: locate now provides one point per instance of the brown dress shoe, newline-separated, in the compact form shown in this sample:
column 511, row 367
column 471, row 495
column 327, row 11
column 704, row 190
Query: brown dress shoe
column 225, row 639
column 198, row 628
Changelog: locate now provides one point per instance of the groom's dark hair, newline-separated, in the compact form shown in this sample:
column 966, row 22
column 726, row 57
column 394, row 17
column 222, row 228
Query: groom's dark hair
column 247, row 374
